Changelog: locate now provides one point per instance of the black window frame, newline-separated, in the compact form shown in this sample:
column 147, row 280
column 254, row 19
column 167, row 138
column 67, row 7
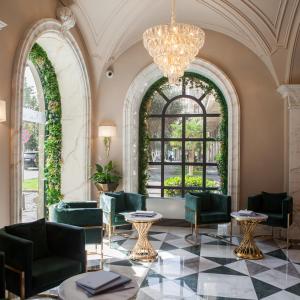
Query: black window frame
column 204, row 139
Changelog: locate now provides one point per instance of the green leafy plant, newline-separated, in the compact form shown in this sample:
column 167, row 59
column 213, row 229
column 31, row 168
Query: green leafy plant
column 105, row 174
column 53, row 127
column 190, row 181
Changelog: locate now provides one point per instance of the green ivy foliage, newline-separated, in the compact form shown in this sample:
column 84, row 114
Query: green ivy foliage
column 53, row 127
column 222, row 158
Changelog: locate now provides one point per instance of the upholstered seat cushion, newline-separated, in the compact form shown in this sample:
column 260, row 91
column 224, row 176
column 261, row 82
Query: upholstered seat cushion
column 275, row 220
column 32, row 231
column 213, row 217
column 120, row 219
column 53, row 269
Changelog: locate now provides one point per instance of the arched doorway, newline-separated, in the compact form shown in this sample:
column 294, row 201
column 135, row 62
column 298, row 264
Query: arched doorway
column 33, row 134
column 72, row 77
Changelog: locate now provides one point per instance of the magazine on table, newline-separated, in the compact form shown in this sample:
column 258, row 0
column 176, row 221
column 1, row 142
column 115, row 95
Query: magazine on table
column 103, row 282
column 247, row 213
column 144, row 213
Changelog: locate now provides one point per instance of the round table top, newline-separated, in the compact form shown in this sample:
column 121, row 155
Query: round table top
column 256, row 217
column 132, row 219
column 68, row 290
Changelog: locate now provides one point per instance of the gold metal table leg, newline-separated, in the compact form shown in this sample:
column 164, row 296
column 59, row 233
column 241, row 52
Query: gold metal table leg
column 247, row 248
column 143, row 250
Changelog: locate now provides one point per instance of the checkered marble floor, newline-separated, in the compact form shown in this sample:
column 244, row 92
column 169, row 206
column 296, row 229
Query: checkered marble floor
column 208, row 271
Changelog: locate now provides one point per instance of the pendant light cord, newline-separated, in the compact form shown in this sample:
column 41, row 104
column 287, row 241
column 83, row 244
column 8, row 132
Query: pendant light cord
column 173, row 12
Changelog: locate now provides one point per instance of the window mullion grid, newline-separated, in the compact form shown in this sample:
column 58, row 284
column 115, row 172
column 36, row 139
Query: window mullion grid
column 162, row 159
column 204, row 153
column 183, row 156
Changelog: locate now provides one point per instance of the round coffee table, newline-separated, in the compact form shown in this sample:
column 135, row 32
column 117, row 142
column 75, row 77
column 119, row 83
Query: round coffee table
column 247, row 248
column 68, row 290
column 143, row 250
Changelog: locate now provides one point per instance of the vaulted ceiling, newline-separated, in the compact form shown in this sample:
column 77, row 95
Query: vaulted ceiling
column 267, row 27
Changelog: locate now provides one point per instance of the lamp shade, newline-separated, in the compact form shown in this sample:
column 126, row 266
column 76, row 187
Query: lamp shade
column 107, row 130
column 2, row 111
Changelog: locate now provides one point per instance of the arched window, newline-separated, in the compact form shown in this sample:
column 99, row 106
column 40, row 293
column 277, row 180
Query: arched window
column 183, row 138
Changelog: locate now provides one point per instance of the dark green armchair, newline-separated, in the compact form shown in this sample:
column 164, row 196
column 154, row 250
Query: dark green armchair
column 40, row 255
column 207, row 208
column 115, row 203
column 84, row 214
column 278, row 208
column 2, row 276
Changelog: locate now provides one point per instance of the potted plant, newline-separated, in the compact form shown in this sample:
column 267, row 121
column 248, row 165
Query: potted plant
column 106, row 178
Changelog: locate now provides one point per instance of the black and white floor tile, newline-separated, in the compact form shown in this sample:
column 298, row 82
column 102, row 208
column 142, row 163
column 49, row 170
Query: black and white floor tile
column 208, row 271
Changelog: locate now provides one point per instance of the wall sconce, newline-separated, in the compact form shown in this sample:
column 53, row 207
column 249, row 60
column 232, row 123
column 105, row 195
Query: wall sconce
column 2, row 111
column 107, row 131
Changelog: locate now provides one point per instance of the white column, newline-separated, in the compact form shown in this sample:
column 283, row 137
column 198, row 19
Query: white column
column 291, row 94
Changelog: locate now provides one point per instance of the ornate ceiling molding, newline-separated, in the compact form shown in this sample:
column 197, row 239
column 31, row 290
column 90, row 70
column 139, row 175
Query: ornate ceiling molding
column 262, row 26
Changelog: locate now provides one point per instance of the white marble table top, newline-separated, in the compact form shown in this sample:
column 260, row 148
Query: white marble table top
column 129, row 217
column 256, row 217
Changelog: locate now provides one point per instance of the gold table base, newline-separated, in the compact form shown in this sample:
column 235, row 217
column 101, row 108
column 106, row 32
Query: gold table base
column 247, row 248
column 143, row 250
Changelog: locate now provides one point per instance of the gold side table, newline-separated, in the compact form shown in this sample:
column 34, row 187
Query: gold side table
column 247, row 248
column 143, row 250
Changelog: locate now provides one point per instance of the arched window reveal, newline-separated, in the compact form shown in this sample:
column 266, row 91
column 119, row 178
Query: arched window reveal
column 183, row 138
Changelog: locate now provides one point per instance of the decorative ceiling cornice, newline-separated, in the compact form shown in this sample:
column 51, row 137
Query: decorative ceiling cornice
column 262, row 26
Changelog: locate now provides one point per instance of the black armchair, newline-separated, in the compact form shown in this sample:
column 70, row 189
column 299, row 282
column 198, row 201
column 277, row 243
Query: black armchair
column 278, row 208
column 2, row 276
column 40, row 255
column 207, row 208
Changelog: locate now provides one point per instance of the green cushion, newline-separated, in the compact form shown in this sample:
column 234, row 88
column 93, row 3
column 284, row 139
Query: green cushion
column 214, row 217
column 272, row 202
column 120, row 200
column 32, row 231
column 53, row 269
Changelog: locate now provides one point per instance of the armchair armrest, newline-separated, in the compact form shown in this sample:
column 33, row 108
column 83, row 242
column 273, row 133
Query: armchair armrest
column 79, row 216
column 18, row 258
column 81, row 204
column 2, row 275
column 287, row 208
column 108, row 203
column 192, row 202
column 135, row 201
column 67, row 241
column 255, row 202
column 225, row 203
column 18, row 251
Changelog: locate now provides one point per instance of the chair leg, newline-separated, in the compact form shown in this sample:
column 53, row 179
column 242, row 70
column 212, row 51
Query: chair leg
column 287, row 231
column 109, row 234
column 231, row 231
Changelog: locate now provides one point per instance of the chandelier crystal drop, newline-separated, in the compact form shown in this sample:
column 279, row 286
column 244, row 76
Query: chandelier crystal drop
column 173, row 46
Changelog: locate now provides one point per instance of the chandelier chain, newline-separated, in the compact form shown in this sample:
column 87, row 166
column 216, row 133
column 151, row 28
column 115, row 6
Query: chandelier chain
column 173, row 16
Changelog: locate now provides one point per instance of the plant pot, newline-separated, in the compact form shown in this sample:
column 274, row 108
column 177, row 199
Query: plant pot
column 106, row 187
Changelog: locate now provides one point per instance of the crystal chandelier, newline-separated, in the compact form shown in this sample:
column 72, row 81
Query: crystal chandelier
column 173, row 46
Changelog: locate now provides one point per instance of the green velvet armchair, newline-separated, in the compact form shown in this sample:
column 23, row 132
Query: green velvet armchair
column 207, row 208
column 2, row 276
column 40, row 255
column 84, row 214
column 278, row 207
column 115, row 203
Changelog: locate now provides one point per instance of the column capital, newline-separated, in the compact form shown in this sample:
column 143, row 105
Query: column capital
column 290, row 92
